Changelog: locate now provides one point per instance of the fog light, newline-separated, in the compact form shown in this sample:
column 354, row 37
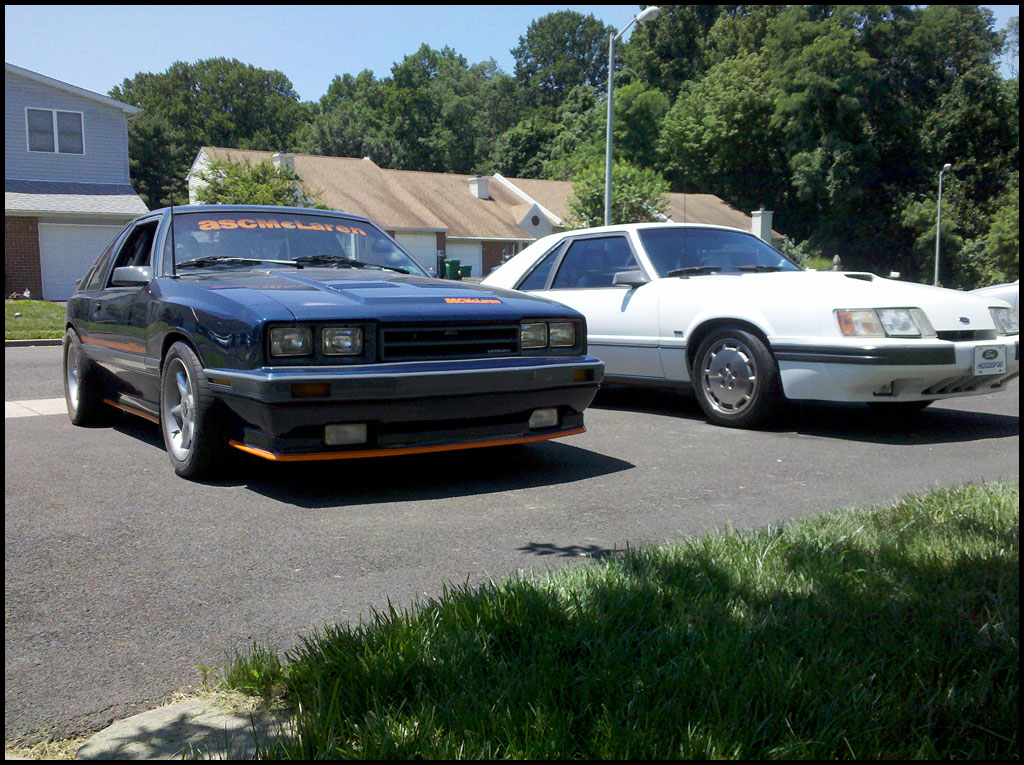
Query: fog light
column 543, row 418
column 344, row 434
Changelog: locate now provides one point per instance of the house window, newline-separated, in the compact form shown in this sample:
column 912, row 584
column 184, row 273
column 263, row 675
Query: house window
column 51, row 130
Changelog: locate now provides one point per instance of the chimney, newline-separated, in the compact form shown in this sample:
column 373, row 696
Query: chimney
column 761, row 224
column 478, row 187
column 283, row 160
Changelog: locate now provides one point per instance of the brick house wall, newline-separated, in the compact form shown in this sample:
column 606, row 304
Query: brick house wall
column 21, row 256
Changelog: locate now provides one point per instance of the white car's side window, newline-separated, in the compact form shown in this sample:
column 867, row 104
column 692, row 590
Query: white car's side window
column 593, row 263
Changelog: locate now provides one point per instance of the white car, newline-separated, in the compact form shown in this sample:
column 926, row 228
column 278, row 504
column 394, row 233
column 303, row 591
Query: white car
column 1008, row 292
column 719, row 309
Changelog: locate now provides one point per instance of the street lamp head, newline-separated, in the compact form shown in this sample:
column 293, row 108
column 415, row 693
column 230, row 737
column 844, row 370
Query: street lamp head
column 650, row 13
column 947, row 166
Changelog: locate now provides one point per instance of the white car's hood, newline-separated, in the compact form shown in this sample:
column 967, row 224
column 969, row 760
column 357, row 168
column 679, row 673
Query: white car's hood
column 946, row 309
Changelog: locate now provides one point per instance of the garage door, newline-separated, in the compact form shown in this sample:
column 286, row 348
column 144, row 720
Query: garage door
column 423, row 248
column 65, row 253
column 468, row 255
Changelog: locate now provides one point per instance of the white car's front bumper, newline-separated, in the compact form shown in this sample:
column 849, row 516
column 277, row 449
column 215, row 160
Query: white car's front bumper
column 892, row 371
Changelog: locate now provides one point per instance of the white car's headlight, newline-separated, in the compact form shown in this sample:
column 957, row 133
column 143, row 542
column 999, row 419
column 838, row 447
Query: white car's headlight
column 1006, row 321
column 884, row 322
column 291, row 341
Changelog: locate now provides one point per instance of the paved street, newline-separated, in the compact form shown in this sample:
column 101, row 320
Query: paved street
column 121, row 579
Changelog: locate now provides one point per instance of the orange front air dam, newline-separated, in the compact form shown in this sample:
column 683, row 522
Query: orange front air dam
column 315, row 456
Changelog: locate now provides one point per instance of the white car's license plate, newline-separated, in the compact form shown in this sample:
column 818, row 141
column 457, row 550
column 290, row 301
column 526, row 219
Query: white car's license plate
column 990, row 360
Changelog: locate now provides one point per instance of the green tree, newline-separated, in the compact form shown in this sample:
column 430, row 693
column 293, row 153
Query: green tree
column 242, row 183
column 560, row 51
column 638, row 195
column 219, row 102
column 1002, row 242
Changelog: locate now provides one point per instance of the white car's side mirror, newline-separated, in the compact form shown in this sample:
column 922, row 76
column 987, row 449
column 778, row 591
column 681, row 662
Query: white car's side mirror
column 632, row 279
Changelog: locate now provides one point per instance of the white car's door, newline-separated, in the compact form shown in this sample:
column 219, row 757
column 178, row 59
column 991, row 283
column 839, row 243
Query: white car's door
column 622, row 322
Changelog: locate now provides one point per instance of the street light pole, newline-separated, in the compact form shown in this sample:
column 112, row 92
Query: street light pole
column 647, row 14
column 938, row 224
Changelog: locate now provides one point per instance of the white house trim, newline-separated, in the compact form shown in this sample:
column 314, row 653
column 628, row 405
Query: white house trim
column 526, row 197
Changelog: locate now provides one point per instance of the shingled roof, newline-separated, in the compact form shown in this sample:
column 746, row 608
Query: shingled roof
column 407, row 200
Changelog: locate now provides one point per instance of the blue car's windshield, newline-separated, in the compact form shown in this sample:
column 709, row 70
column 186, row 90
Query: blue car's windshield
column 682, row 251
column 277, row 239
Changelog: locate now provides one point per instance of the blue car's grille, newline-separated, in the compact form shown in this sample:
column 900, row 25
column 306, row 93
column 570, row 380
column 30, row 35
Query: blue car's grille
column 420, row 342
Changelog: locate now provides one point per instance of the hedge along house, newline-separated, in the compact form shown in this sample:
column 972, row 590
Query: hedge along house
column 66, row 184
column 479, row 220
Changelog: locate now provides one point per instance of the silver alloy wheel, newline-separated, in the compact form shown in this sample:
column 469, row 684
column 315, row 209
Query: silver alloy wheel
column 729, row 376
column 71, row 375
column 178, row 404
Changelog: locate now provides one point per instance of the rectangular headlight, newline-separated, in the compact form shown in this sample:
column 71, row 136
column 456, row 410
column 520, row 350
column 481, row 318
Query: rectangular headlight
column 898, row 322
column 1006, row 321
column 562, row 334
column 533, row 335
column 342, row 341
column 291, row 341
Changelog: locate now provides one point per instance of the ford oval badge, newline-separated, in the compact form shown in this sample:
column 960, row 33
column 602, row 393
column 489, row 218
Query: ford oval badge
column 989, row 353
column 964, row 320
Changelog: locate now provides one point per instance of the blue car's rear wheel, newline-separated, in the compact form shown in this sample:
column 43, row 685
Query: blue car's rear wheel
column 83, row 386
column 188, row 419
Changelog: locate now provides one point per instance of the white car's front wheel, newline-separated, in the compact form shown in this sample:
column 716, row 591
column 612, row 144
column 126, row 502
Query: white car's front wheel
column 736, row 379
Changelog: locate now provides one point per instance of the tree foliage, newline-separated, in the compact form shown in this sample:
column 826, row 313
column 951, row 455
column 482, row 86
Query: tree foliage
column 638, row 195
column 838, row 118
column 242, row 183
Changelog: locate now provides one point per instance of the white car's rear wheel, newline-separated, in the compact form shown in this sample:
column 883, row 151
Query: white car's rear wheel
column 736, row 379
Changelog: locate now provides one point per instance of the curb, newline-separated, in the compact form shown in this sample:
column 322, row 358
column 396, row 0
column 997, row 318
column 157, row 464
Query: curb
column 27, row 343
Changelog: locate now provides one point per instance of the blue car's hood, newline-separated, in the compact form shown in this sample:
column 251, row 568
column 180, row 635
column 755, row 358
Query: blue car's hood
column 324, row 293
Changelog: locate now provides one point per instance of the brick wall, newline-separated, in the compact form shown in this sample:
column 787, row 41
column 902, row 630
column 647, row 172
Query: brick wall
column 21, row 256
column 493, row 253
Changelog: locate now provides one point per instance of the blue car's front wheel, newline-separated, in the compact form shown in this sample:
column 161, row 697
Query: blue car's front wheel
column 187, row 416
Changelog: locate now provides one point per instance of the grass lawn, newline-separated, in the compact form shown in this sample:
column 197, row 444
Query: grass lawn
column 887, row 633
column 40, row 319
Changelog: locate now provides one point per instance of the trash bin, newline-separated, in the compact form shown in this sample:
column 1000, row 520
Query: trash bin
column 465, row 271
column 451, row 269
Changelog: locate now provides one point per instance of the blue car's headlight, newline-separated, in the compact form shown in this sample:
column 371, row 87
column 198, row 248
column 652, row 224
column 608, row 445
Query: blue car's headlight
column 291, row 341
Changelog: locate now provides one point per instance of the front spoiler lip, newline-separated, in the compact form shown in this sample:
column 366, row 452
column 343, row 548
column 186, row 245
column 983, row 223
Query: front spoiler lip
column 405, row 380
column 885, row 355
column 399, row 450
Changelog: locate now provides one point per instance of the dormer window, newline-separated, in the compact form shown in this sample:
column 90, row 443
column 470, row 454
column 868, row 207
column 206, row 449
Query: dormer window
column 55, row 131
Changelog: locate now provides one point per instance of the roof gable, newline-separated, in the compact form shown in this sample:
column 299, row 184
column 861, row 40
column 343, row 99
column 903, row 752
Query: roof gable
column 42, row 79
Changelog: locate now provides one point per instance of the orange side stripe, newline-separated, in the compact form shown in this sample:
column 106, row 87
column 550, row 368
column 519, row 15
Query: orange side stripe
column 133, row 410
column 116, row 346
column 316, row 456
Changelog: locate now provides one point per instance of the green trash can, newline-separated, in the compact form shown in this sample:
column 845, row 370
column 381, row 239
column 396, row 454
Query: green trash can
column 465, row 271
column 451, row 269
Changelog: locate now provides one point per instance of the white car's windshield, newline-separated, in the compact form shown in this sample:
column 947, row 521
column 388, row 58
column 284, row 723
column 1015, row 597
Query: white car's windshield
column 683, row 251
column 276, row 239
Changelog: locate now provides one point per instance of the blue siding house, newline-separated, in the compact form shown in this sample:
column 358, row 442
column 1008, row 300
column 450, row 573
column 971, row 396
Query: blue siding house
column 66, row 185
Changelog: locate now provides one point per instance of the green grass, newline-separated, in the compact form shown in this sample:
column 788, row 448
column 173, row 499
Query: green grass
column 40, row 319
column 890, row 633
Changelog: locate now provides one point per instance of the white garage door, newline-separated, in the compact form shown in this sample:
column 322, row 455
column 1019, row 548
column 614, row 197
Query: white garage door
column 467, row 255
column 423, row 248
column 66, row 251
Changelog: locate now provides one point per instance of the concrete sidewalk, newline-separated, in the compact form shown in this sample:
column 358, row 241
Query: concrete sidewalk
column 205, row 728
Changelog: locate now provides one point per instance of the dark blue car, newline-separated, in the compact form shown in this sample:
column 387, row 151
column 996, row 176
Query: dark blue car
column 298, row 334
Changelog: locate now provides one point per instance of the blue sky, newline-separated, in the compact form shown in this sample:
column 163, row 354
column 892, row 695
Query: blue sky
column 96, row 47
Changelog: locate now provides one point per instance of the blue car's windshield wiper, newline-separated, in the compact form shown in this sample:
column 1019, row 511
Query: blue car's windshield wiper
column 343, row 262
column 210, row 260
column 694, row 271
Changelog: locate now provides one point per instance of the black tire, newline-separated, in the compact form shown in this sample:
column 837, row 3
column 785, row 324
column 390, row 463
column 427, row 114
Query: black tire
column 189, row 420
column 83, row 386
column 736, row 379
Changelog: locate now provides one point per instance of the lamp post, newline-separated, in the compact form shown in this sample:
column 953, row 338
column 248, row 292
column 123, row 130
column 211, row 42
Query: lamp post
column 938, row 223
column 647, row 14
